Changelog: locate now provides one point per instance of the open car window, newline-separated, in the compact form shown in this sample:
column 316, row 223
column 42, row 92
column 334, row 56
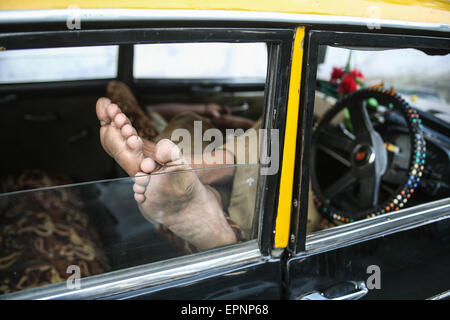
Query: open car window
column 421, row 79
column 380, row 141
column 58, row 64
column 238, row 61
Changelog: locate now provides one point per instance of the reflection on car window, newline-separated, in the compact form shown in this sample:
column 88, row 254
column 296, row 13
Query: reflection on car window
column 201, row 60
column 100, row 227
column 58, row 64
column 372, row 153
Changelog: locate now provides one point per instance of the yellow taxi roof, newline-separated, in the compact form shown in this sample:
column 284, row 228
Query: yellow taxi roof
column 432, row 11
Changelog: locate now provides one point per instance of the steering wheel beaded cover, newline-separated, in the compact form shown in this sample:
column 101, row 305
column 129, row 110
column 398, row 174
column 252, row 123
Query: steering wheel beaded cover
column 390, row 103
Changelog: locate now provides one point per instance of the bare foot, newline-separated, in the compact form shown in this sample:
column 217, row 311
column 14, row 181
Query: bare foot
column 174, row 196
column 118, row 137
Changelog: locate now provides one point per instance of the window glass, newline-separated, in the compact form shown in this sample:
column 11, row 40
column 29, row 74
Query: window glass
column 201, row 60
column 372, row 153
column 48, row 235
column 58, row 64
column 70, row 203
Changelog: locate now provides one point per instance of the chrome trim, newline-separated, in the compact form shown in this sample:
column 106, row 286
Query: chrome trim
column 125, row 280
column 441, row 296
column 379, row 226
column 360, row 286
column 111, row 15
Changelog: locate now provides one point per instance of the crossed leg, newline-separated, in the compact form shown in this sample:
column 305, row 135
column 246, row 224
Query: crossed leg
column 172, row 195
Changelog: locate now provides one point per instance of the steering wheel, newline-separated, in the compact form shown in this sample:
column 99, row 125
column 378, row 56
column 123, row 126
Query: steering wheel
column 368, row 155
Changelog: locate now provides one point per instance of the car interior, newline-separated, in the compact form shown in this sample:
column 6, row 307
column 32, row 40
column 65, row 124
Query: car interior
column 50, row 138
column 404, row 96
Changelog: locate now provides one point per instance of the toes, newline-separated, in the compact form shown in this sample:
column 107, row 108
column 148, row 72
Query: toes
column 134, row 142
column 128, row 131
column 142, row 179
column 167, row 151
column 148, row 165
column 137, row 188
column 112, row 110
column 120, row 120
column 100, row 109
column 139, row 197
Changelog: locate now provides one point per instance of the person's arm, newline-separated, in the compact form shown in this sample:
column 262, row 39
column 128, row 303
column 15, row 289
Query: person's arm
column 220, row 116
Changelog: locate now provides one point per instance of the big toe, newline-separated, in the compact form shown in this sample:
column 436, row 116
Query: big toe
column 166, row 151
column 100, row 109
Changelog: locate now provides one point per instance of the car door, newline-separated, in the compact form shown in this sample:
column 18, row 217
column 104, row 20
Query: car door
column 145, row 266
column 400, row 254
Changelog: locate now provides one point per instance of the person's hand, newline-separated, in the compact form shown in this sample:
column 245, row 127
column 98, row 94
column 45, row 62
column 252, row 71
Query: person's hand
column 215, row 111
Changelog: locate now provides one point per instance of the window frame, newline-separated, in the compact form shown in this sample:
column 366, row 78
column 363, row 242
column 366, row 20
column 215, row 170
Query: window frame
column 279, row 42
column 366, row 229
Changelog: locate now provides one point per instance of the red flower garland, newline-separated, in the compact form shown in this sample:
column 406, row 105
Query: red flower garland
column 347, row 81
